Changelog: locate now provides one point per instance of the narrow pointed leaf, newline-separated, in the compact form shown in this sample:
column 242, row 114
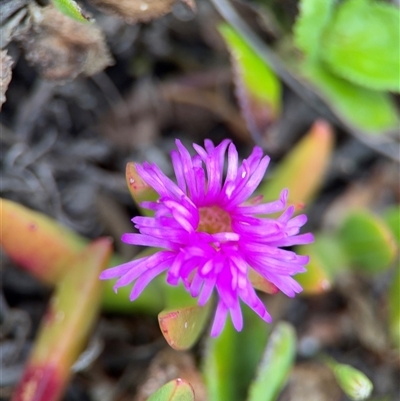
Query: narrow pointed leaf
column 362, row 44
column 139, row 189
column 368, row 242
column 257, row 87
column 303, row 169
column 231, row 359
column 72, row 9
column 175, row 390
column 364, row 109
column 219, row 365
column 65, row 327
column 40, row 246
column 36, row 242
column 276, row 364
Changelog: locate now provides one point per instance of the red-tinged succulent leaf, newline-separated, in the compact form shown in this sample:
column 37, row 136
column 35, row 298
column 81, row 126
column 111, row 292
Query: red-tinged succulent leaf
column 45, row 381
column 139, row 189
column 303, row 169
column 262, row 284
column 175, row 390
column 182, row 327
column 66, row 325
column 257, row 88
column 36, row 242
column 40, row 246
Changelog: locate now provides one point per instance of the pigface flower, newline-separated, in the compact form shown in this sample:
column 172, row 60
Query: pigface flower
column 211, row 233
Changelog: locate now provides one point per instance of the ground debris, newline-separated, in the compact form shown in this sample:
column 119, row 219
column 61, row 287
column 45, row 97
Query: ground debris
column 5, row 74
column 62, row 48
column 133, row 11
column 168, row 365
column 311, row 381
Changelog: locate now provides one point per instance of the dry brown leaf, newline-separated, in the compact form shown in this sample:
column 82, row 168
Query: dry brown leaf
column 139, row 10
column 5, row 74
column 62, row 48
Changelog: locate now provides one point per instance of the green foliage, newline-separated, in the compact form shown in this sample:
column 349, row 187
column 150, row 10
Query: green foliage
column 354, row 383
column 150, row 302
column 71, row 9
column 139, row 189
column 327, row 260
column 392, row 219
column 314, row 15
column 257, row 87
column 368, row 242
column 231, row 359
column 219, row 365
column 275, row 367
column 362, row 44
column 183, row 320
column 303, row 169
column 352, row 57
column 67, row 324
column 372, row 111
column 175, row 390
column 258, row 78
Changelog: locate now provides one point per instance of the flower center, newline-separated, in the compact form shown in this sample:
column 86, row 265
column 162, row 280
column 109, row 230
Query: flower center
column 214, row 220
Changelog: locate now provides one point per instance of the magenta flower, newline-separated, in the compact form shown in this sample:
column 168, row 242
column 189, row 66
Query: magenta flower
column 211, row 234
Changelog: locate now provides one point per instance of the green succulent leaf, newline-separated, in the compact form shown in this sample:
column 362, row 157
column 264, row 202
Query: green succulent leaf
column 313, row 17
column 276, row 364
column 219, row 365
column 362, row 44
column 368, row 242
column 327, row 261
column 231, row 359
column 72, row 9
column 302, row 170
column 353, row 382
column 182, row 327
column 71, row 314
column 257, row 87
column 139, row 189
column 175, row 390
column 371, row 111
column 40, row 246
